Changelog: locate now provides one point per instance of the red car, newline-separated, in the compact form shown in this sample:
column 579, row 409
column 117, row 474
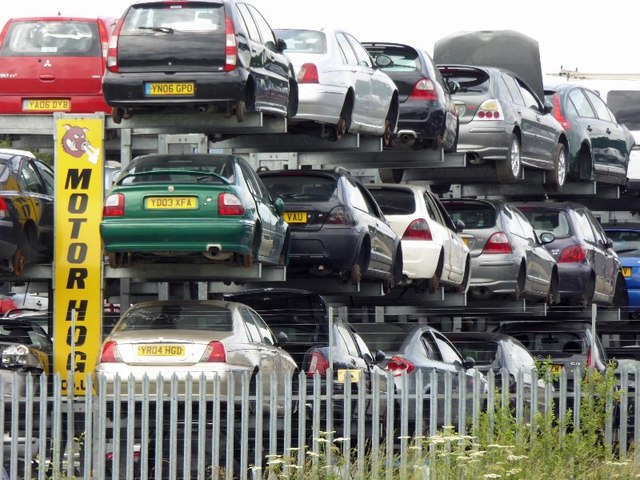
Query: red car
column 53, row 64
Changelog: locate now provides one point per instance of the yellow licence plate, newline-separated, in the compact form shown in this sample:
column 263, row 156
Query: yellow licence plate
column 556, row 369
column 353, row 376
column 46, row 105
column 626, row 271
column 161, row 350
column 466, row 241
column 161, row 89
column 295, row 217
column 171, row 203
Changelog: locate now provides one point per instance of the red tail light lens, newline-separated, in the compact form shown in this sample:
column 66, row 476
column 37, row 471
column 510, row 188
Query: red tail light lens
column 573, row 254
column 229, row 204
column 215, row 352
column 110, row 353
column 4, row 208
column 339, row 216
column 497, row 243
column 114, row 206
column 417, row 230
column 231, row 48
column 398, row 366
column 112, row 49
column 424, row 89
column 557, row 113
column 489, row 110
column 308, row 74
column 319, row 363
column 590, row 362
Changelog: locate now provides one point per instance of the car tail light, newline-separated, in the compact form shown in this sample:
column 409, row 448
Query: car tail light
column 339, row 216
column 114, row 206
column 497, row 243
column 104, row 38
column 308, row 74
column 112, row 49
column 489, row 110
column 424, row 89
column 215, row 352
column 590, row 362
column 319, row 363
column 557, row 113
column 110, row 353
column 229, row 204
column 230, row 48
column 417, row 230
column 398, row 366
column 4, row 209
column 573, row 254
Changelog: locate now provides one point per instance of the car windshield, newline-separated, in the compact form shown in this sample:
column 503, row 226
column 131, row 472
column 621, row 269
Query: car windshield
column 301, row 187
column 554, row 221
column 159, row 18
column 176, row 317
column 394, row 201
column 187, row 169
column 53, row 38
column 303, row 41
column 473, row 215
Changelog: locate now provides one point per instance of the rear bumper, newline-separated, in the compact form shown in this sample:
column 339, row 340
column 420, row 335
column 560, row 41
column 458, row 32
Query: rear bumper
column 319, row 103
column 334, row 248
column 489, row 140
column 419, row 258
column 495, row 274
column 424, row 118
column 573, row 280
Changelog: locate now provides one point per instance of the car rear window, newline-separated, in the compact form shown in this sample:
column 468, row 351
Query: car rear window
column 472, row 81
column 483, row 352
column 625, row 105
column 404, row 59
column 554, row 221
column 394, row 201
column 301, row 187
column 53, row 38
column 626, row 243
column 184, row 169
column 304, row 41
column 154, row 18
column 545, row 342
column 473, row 215
column 176, row 317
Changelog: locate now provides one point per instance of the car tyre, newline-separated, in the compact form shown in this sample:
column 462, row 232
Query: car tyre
column 553, row 295
column 391, row 175
column 18, row 262
column 341, row 128
column 389, row 123
column 509, row 170
column 558, row 175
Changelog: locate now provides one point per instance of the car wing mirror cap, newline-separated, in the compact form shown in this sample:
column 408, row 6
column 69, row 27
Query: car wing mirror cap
column 547, row 237
column 383, row 61
column 454, row 87
column 468, row 363
column 279, row 204
column 460, row 226
column 379, row 356
column 282, row 338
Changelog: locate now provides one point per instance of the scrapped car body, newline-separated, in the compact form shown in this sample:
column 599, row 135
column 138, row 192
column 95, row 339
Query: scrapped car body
column 507, row 256
column 206, row 207
column 26, row 210
column 339, row 84
column 599, row 145
column 626, row 243
column 589, row 269
column 336, row 226
column 503, row 121
column 433, row 252
column 53, row 64
column 213, row 56
column 192, row 339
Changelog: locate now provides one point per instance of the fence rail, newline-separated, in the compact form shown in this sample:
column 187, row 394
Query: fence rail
column 162, row 429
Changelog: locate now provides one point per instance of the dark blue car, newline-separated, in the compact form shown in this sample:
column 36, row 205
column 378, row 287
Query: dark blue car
column 626, row 243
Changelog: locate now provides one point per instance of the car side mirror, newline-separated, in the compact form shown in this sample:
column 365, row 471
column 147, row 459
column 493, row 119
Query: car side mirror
column 282, row 338
column 379, row 356
column 459, row 224
column 608, row 243
column 279, row 204
column 468, row 363
column 546, row 237
column 453, row 87
column 281, row 45
column 383, row 61
column 547, row 108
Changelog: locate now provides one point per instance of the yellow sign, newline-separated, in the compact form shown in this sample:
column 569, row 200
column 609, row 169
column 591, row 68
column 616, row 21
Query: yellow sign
column 79, row 158
column 349, row 376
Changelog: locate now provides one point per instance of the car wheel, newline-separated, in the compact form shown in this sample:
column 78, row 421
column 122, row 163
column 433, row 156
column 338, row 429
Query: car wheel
column 589, row 292
column 18, row 262
column 389, row 124
column 241, row 111
column 521, row 283
column 553, row 293
column 508, row 170
column 462, row 288
column 454, row 145
column 620, row 296
column 391, row 175
column 558, row 175
column 360, row 266
column 116, row 115
column 341, row 128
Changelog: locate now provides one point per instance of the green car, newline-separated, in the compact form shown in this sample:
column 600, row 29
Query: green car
column 200, row 207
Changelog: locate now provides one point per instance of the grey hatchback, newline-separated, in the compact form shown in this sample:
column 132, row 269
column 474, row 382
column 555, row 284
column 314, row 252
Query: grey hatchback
column 508, row 258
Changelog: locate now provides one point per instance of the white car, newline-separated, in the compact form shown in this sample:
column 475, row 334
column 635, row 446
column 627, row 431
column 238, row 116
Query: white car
column 432, row 251
column 339, row 84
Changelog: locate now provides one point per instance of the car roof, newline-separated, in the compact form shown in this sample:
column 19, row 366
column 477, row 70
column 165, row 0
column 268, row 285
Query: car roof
column 621, row 226
column 542, row 326
column 550, row 205
column 15, row 151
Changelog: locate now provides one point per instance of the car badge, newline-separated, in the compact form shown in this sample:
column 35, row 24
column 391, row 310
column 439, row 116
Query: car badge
column 47, row 63
column 171, row 189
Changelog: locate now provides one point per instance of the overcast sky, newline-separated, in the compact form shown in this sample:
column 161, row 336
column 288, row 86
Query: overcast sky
column 572, row 34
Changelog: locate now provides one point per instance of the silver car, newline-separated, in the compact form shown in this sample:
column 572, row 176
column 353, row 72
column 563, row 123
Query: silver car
column 339, row 84
column 192, row 338
column 507, row 256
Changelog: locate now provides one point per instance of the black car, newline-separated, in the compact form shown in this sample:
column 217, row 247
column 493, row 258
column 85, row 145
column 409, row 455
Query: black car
column 599, row 145
column 336, row 226
column 205, row 56
column 26, row 210
column 428, row 117
column 589, row 269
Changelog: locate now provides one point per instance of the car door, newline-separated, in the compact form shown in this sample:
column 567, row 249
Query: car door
column 542, row 268
column 591, row 125
column 525, row 118
column 40, row 202
column 360, row 81
column 614, row 152
column 596, row 254
column 46, row 196
column 263, row 345
column 547, row 127
column 611, row 262
column 452, row 244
